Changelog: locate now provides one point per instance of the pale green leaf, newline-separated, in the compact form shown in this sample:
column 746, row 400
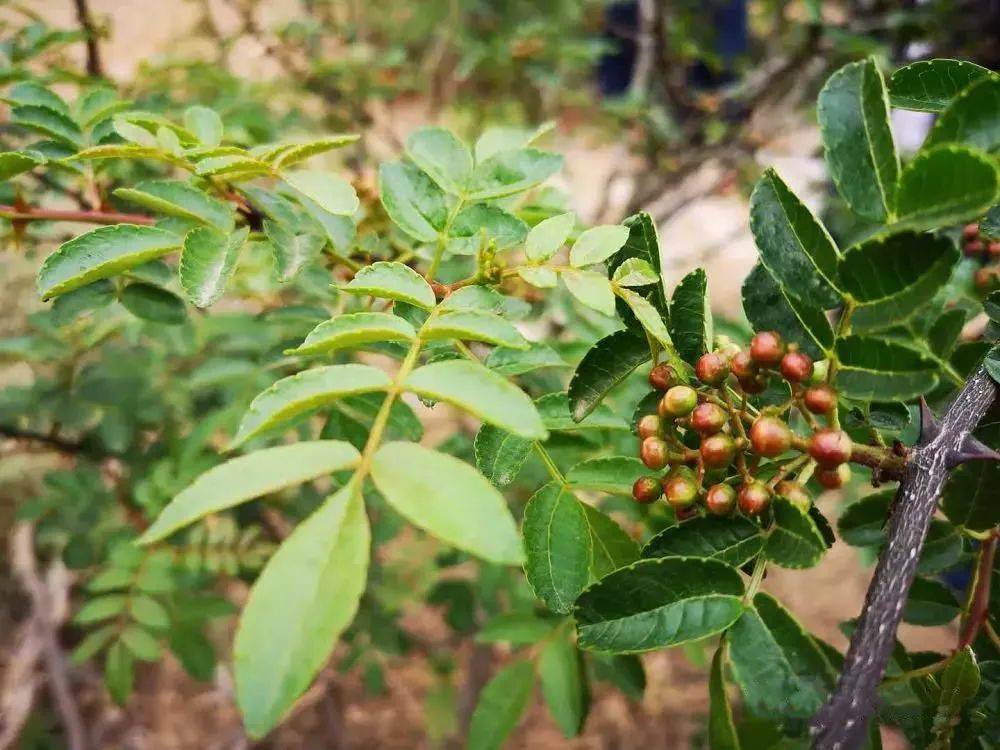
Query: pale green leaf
column 176, row 198
column 635, row 272
column 441, row 155
column 564, row 686
column 391, row 280
column 355, row 330
column 208, row 260
column 591, row 289
column 558, row 547
column 205, row 124
column 647, row 316
column 501, row 705
column 547, row 236
column 473, row 325
column 332, row 192
column 597, row 244
column 414, row 203
column 539, row 276
column 510, row 172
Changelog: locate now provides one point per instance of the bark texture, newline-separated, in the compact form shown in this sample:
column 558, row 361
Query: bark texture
column 841, row 723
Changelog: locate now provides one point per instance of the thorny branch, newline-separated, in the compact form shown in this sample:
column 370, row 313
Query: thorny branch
column 842, row 722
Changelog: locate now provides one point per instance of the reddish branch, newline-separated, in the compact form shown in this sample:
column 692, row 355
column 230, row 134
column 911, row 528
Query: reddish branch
column 842, row 722
column 980, row 604
column 13, row 213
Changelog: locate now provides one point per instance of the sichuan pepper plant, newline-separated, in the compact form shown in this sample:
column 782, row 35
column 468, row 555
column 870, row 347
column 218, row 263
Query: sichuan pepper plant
column 737, row 432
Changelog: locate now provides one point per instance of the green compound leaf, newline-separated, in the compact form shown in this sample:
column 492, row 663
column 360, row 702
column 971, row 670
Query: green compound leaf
column 558, row 547
column 247, row 477
column 769, row 308
column 501, row 705
column 721, row 727
column 208, row 260
column 100, row 254
column 440, row 154
column 13, row 163
column 465, row 511
column 176, row 198
column 930, row 85
column 892, row 277
column 355, row 330
column 971, row 118
column 779, row 667
column 480, row 225
column 614, row 475
column 414, row 203
column 481, row 392
column 734, row 541
column 154, row 304
column 48, row 122
column 691, row 326
column 292, row 251
column 945, row 185
column 332, row 192
column 500, row 455
column 305, row 597
column 853, row 112
column 391, row 280
column 873, row 369
column 473, row 325
column 794, row 541
column 794, row 246
column 510, row 172
column 564, row 684
column 307, row 390
column 605, row 365
column 547, row 236
column 655, row 604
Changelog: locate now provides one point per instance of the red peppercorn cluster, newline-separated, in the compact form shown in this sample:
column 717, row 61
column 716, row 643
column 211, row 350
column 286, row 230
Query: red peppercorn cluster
column 987, row 251
column 723, row 473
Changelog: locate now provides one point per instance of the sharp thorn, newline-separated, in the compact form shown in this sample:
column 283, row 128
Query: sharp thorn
column 930, row 427
column 972, row 449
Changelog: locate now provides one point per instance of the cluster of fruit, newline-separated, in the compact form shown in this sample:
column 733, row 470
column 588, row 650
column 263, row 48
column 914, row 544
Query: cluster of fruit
column 987, row 251
column 730, row 437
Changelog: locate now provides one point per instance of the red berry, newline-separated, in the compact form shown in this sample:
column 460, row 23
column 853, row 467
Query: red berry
column 679, row 401
column 742, row 365
column 830, row 447
column 770, row 437
column 680, row 489
column 662, row 377
column 767, row 348
column 834, row 479
column 754, row 498
column 796, row 367
column 820, row 399
column 650, row 426
column 720, row 499
column 970, row 231
column 753, row 385
column 794, row 493
column 711, row 368
column 984, row 279
column 708, row 419
column 646, row 489
column 993, row 249
column 654, row 453
column 974, row 248
column 717, row 450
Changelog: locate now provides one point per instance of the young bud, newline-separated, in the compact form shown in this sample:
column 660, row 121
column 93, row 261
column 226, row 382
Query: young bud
column 654, row 453
column 708, row 419
column 819, row 373
column 650, row 425
column 646, row 490
column 754, row 498
column 830, row 447
column 770, row 437
column 796, row 366
column 717, row 450
column 834, row 479
column 743, row 366
column 679, row 401
column 712, row 368
column 720, row 499
column 820, row 399
column 767, row 348
column 662, row 377
column 794, row 493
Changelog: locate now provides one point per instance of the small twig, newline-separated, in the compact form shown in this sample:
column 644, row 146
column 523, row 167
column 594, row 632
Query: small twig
column 52, row 441
column 12, row 213
column 23, row 552
column 979, row 600
column 83, row 17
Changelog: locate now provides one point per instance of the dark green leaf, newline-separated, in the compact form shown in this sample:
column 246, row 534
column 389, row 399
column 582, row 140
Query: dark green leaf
column 970, row 494
column 501, row 705
column 500, row 455
column 971, row 117
column 176, row 198
column 854, row 121
column 691, row 317
column 613, row 548
column 721, row 728
column 208, row 260
column 613, row 474
column 153, row 304
column 930, row 604
column 929, row 85
column 564, row 684
column 608, row 363
column 558, row 547
column 658, row 603
column 882, row 370
column 414, row 203
column 734, row 541
column 510, row 172
column 945, row 185
column 769, row 308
